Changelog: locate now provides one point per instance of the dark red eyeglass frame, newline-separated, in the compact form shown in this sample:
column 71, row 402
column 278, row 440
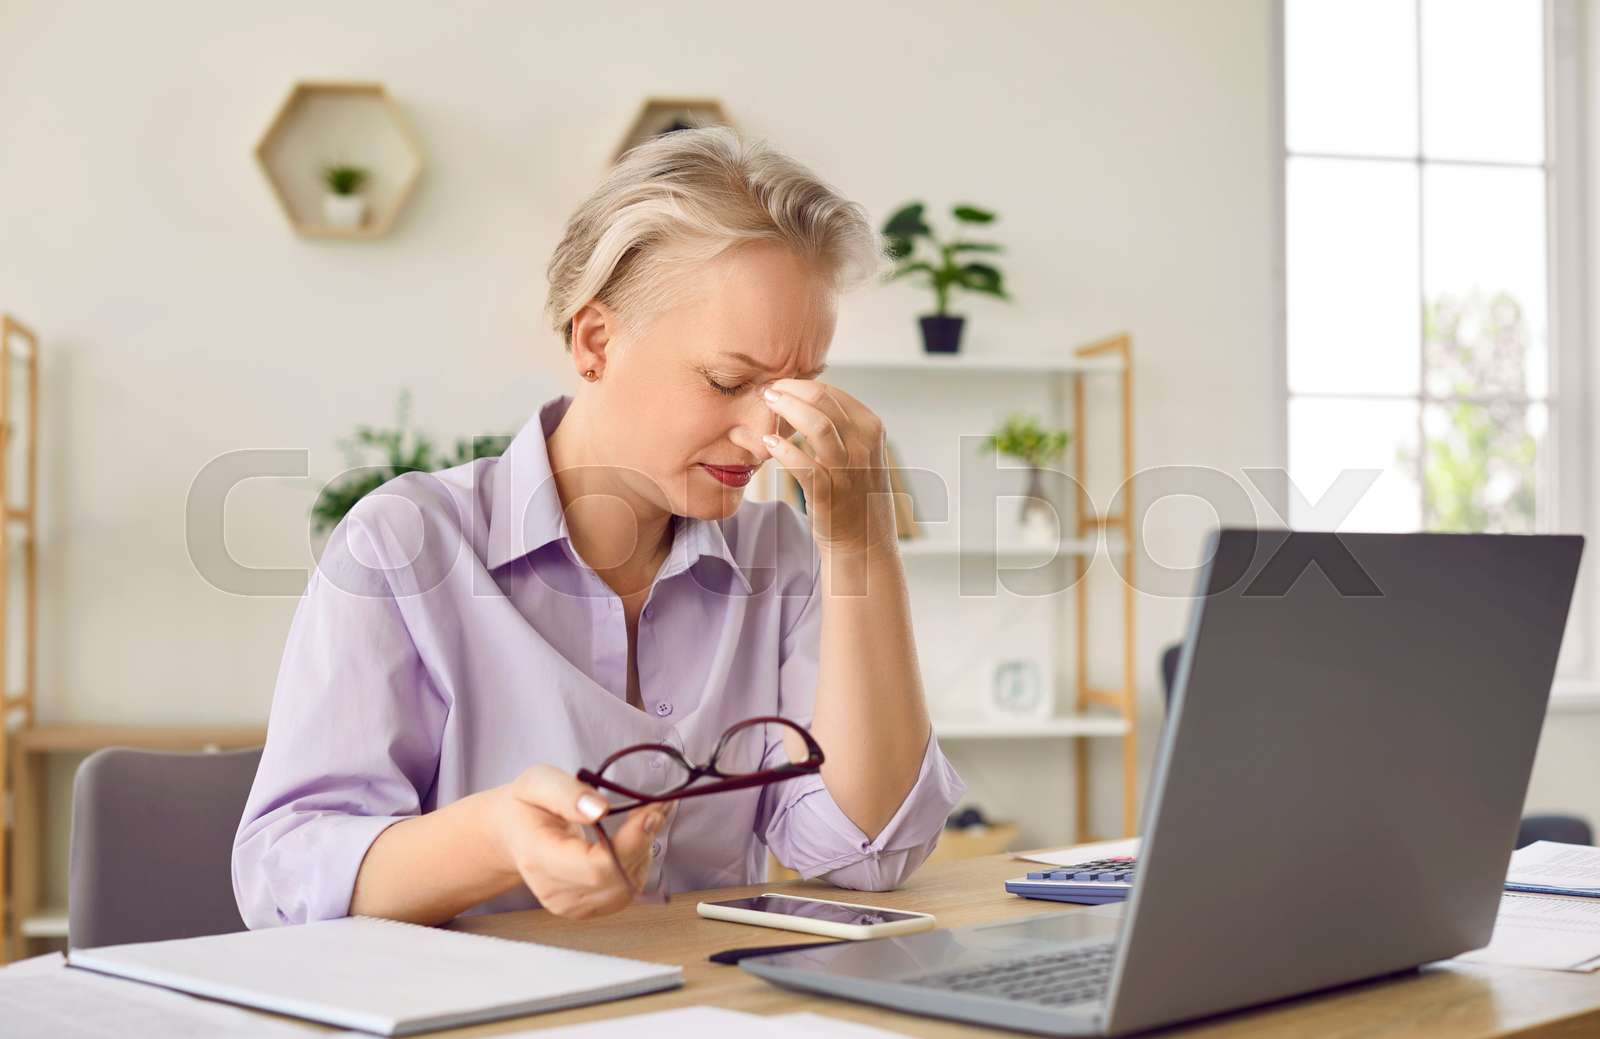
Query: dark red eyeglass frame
column 811, row 765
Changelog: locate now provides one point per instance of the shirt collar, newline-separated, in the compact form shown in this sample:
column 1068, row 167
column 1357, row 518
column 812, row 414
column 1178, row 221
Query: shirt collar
column 526, row 512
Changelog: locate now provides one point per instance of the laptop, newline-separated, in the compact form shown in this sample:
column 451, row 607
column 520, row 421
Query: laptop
column 1335, row 797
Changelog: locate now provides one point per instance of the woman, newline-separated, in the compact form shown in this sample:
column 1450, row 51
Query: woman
column 471, row 638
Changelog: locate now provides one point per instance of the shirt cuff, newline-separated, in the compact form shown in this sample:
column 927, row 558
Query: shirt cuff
column 303, row 869
column 811, row 834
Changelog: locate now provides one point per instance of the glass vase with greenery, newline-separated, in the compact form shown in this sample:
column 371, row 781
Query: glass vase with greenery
column 1024, row 438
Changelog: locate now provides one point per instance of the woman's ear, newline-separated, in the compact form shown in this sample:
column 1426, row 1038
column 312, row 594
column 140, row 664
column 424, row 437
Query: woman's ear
column 594, row 328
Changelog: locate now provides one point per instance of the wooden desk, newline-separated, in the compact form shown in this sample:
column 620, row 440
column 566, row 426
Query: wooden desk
column 1448, row 1001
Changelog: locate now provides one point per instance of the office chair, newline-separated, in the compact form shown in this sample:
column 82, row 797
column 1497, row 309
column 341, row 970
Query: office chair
column 1563, row 829
column 152, row 844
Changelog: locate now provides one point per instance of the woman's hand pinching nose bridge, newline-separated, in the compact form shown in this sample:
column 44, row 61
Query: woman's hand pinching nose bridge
column 841, row 470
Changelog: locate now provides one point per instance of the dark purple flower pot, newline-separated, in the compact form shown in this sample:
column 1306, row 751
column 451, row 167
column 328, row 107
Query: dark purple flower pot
column 941, row 333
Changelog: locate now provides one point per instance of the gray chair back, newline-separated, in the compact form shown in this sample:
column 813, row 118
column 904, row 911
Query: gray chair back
column 152, row 845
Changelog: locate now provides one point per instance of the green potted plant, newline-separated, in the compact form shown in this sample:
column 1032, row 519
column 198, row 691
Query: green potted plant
column 343, row 206
column 947, row 268
column 1023, row 438
column 399, row 450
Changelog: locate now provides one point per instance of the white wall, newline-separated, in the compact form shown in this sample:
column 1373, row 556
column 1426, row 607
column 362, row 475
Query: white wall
column 1128, row 145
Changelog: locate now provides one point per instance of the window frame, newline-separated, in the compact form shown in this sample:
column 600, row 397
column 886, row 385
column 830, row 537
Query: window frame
column 1574, row 441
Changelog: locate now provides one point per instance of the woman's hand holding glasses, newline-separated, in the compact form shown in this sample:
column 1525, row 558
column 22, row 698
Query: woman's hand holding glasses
column 539, row 816
column 539, row 824
column 752, row 753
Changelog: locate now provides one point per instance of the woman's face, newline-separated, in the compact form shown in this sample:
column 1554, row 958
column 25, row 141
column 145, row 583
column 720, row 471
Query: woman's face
column 680, row 407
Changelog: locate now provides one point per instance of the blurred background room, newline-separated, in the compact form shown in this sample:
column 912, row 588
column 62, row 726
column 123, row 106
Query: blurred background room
column 1325, row 263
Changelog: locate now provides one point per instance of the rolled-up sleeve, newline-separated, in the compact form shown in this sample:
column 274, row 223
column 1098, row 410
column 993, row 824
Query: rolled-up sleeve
column 803, row 825
column 352, row 741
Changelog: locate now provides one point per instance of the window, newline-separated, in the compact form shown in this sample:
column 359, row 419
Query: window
column 1418, row 189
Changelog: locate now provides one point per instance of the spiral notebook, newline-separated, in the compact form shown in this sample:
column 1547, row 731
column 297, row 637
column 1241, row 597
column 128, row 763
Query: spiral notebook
column 381, row 975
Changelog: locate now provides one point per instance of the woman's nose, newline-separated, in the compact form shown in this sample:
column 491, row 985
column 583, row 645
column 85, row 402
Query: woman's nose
column 755, row 421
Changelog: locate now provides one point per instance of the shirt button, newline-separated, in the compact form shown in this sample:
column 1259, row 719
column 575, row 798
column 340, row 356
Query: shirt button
column 663, row 708
column 655, row 848
column 655, row 761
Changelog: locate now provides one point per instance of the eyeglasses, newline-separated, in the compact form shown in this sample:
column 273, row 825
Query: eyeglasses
column 653, row 773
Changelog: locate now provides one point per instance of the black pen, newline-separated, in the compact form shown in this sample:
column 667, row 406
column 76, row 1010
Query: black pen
column 735, row 955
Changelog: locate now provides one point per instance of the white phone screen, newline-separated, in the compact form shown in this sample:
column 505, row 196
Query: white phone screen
column 831, row 912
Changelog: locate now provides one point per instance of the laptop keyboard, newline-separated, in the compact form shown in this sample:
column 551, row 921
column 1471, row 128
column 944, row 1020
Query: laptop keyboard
column 1054, row 979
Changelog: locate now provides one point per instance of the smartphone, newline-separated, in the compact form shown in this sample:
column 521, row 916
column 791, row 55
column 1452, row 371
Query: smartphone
column 816, row 916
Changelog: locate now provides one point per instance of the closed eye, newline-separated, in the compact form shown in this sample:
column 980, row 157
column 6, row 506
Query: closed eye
column 726, row 391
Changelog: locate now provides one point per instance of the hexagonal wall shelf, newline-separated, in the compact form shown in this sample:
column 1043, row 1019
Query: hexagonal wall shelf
column 659, row 115
column 321, row 123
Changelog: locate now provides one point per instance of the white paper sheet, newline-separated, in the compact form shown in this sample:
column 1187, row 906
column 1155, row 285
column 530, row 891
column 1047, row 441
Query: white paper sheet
column 42, row 997
column 1553, row 868
column 1084, row 852
column 700, row 1022
column 1543, row 931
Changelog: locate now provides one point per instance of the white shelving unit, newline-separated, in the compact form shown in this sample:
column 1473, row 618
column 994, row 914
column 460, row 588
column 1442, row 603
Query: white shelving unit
column 46, row 922
column 1047, row 728
column 975, row 363
column 1068, row 548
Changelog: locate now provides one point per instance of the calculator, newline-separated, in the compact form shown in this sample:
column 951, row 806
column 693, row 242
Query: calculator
column 1095, row 882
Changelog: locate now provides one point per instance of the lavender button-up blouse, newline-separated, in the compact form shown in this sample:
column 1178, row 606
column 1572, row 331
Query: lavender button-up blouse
column 450, row 637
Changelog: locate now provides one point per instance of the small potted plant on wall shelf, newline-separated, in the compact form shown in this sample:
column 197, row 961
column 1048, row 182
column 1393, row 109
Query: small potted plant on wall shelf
column 1023, row 438
column 948, row 268
column 343, row 206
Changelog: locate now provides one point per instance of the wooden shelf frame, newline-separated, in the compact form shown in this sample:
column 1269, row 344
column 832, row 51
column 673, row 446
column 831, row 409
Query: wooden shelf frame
column 25, row 745
column 19, row 347
column 1123, row 698
column 279, row 169
column 657, row 114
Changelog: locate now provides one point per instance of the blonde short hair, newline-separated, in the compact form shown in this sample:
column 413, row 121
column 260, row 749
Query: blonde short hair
column 683, row 198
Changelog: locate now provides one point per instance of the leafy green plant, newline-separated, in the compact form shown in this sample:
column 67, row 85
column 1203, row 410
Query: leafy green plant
column 948, row 268
column 401, row 450
column 344, row 179
column 1023, row 438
